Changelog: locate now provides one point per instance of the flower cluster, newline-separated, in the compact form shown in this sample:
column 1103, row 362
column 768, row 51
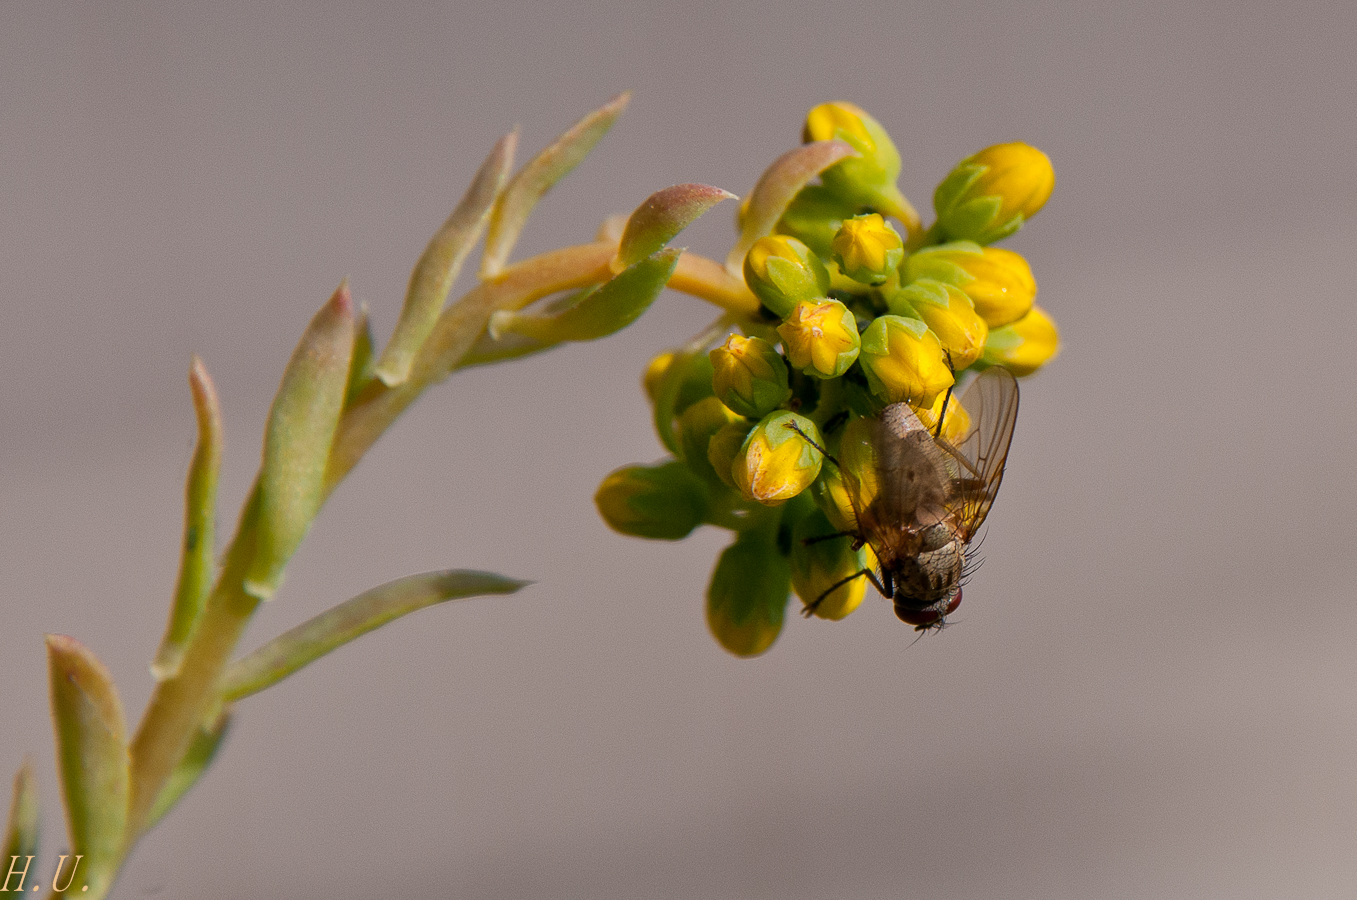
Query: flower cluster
column 855, row 311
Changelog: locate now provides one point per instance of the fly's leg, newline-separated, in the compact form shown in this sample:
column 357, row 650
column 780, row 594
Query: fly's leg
column 825, row 453
column 806, row 542
column 809, row 609
column 942, row 414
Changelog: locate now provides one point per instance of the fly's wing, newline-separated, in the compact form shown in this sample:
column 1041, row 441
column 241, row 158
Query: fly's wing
column 977, row 463
column 908, row 480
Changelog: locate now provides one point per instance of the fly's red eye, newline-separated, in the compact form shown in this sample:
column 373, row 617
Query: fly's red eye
column 917, row 617
column 954, row 603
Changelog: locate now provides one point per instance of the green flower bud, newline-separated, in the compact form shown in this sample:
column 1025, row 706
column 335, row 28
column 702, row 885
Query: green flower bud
column 821, row 337
column 696, row 427
column 748, row 594
column 903, row 361
column 777, row 462
column 818, row 566
column 998, row 281
column 782, row 272
column 868, row 178
column 831, row 495
column 815, row 216
column 725, row 445
column 949, row 314
column 1025, row 346
column 868, row 249
column 663, row 502
column 988, row 196
column 749, row 376
column 695, row 384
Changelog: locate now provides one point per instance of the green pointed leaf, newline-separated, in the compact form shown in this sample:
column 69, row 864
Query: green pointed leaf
column 616, row 304
column 92, row 758
column 196, row 562
column 487, row 350
column 537, row 177
column 21, row 833
column 297, row 440
column 313, row 639
column 776, row 188
column 662, row 216
column 196, row 760
column 363, row 366
column 442, row 260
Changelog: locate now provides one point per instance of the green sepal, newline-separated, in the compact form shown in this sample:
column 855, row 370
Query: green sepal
column 197, row 560
column 21, row 830
column 661, row 502
column 518, row 198
column 337, row 626
column 297, row 440
column 974, row 219
column 748, row 593
column 906, row 301
column 614, row 305
column 777, row 187
column 662, row 216
column 441, row 262
column 92, row 758
column 201, row 751
column 930, row 262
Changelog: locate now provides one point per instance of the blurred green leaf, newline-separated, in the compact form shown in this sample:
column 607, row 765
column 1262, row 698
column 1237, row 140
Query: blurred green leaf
column 92, row 758
column 196, row 759
column 313, row 639
column 537, row 177
column 775, row 189
column 662, row 216
column 616, row 304
column 21, row 833
column 196, row 563
column 363, row 365
column 297, row 440
column 440, row 263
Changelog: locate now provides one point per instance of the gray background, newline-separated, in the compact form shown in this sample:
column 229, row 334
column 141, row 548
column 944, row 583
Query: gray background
column 1150, row 692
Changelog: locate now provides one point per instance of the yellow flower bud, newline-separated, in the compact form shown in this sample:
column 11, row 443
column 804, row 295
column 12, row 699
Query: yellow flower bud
column 1026, row 345
column 868, row 178
column 821, row 338
column 749, row 376
column 831, row 495
column 664, row 502
column 903, row 361
column 782, row 271
column 777, row 462
column 988, row 196
column 725, row 445
column 748, row 594
column 998, row 281
column 857, row 455
column 696, row 427
column 818, row 566
column 949, row 314
column 956, row 423
column 654, row 374
column 868, row 249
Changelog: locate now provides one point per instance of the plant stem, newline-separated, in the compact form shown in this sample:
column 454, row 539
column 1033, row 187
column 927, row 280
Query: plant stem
column 180, row 704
